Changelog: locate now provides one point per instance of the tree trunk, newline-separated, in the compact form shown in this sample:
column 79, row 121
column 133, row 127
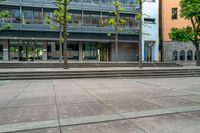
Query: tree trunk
column 60, row 47
column 198, row 55
column 140, row 38
column 116, row 34
column 65, row 35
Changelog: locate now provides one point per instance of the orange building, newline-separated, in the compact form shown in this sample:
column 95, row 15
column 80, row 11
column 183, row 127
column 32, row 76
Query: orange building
column 179, row 52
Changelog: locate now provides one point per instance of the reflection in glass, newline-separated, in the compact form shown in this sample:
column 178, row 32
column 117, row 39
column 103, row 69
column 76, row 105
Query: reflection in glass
column 28, row 17
column 86, row 20
column 90, row 51
column 16, row 16
column 1, row 51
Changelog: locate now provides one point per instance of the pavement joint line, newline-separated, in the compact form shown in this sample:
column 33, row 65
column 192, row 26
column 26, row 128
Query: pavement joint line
column 7, row 128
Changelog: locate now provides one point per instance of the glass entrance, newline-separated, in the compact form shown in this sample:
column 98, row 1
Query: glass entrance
column 25, row 50
column 149, row 51
column 103, row 52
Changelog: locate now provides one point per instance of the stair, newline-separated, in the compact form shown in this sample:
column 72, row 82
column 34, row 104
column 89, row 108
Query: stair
column 161, row 73
column 81, row 64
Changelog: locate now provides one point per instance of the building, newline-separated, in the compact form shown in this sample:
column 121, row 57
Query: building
column 150, row 30
column 179, row 52
column 31, row 39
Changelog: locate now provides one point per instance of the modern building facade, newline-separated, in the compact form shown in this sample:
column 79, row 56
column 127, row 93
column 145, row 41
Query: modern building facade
column 31, row 39
column 179, row 52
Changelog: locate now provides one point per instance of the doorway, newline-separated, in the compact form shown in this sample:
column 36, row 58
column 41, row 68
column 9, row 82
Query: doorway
column 104, row 52
column 149, row 51
column 25, row 53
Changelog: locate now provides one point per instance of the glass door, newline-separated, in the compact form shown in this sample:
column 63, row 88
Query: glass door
column 149, row 51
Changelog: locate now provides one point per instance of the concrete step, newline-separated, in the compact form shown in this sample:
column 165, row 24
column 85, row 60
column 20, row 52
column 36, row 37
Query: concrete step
column 100, row 74
column 81, row 64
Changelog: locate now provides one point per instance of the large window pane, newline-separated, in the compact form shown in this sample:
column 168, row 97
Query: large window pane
column 72, row 51
column 16, row 16
column 95, row 2
column 86, row 20
column 90, row 51
column 28, row 17
column 38, row 17
column 104, row 20
column 76, row 19
column 95, row 20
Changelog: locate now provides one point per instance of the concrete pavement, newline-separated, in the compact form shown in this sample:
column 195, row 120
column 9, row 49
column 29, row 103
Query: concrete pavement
column 101, row 106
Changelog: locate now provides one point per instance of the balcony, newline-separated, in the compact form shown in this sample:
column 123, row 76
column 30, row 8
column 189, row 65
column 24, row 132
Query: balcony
column 72, row 28
column 74, row 5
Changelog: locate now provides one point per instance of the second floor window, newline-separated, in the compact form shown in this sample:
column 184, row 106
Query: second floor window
column 174, row 13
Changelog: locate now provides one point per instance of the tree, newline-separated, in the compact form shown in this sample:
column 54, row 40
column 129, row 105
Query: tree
column 139, row 19
column 116, row 21
column 5, row 14
column 190, row 10
column 62, row 18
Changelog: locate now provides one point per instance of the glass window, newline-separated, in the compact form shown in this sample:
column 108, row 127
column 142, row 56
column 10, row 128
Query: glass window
column 37, row 17
column 16, row 16
column 1, row 51
column 150, row 20
column 122, row 1
column 131, row 2
column 76, row 19
column 95, row 20
column 78, row 1
column 28, row 17
column 182, row 55
column 190, row 55
column 86, row 1
column 90, row 51
column 105, row 2
column 72, row 51
column 96, row 2
column 174, row 13
column 175, row 55
column 86, row 20
column 129, row 21
column 104, row 20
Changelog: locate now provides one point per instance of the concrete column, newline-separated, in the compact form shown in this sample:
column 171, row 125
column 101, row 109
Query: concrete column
column 53, row 50
column 80, row 51
column 44, row 58
column 5, row 50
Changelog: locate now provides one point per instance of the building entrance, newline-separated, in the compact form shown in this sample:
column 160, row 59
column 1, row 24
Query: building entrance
column 149, row 51
column 25, row 50
column 26, row 53
column 104, row 52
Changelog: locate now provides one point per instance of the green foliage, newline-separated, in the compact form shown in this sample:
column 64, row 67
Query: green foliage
column 182, row 35
column 5, row 14
column 116, row 21
column 60, row 14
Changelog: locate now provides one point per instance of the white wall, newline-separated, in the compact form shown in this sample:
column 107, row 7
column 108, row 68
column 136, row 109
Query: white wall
column 151, row 10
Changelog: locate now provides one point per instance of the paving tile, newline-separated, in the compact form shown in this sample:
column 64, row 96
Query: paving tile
column 27, row 114
column 83, row 109
column 192, row 98
column 169, row 102
column 194, row 115
column 105, row 127
column 175, row 123
column 64, row 99
column 48, row 130
column 33, row 101
column 130, row 105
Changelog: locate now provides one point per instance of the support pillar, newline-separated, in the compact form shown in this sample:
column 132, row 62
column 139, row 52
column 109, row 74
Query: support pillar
column 5, row 50
column 44, row 58
column 80, row 51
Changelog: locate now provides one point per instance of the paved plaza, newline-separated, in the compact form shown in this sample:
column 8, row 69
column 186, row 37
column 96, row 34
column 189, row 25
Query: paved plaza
column 113, row 105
